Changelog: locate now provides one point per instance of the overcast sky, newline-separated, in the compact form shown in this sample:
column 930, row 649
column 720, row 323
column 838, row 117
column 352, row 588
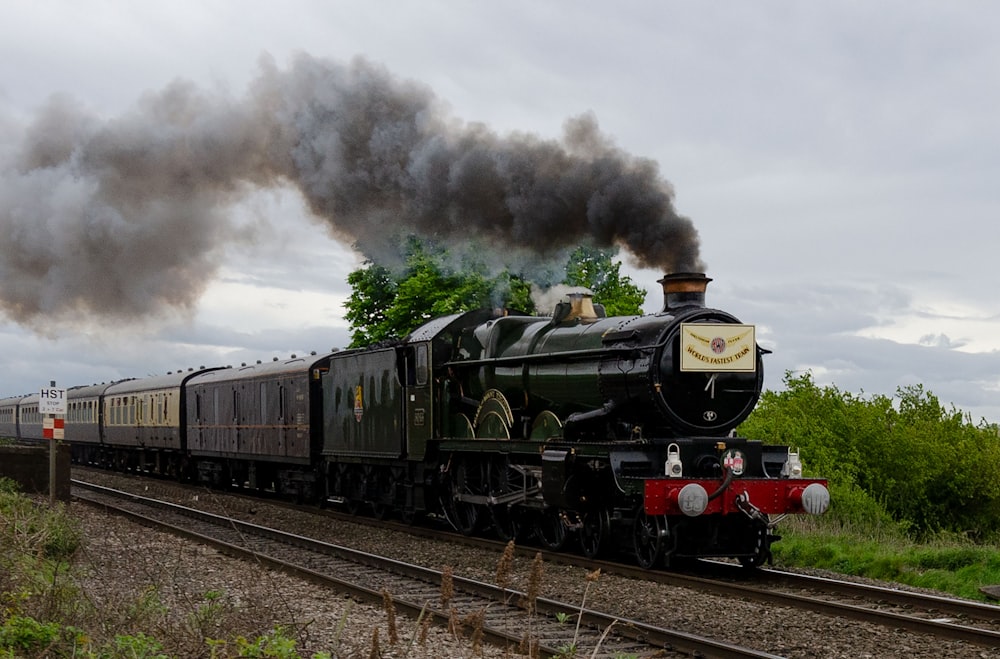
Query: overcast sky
column 839, row 162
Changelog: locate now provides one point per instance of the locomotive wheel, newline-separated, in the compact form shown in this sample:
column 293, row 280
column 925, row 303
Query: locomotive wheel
column 492, row 426
column 385, row 488
column 504, row 480
column 546, row 426
column 494, row 418
column 461, row 427
column 550, row 529
column 506, row 522
column 409, row 516
column 347, row 487
column 761, row 550
column 463, row 515
column 648, row 533
column 595, row 531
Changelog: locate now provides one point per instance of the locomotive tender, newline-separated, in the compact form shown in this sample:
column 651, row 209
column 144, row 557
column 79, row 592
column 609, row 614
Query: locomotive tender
column 613, row 432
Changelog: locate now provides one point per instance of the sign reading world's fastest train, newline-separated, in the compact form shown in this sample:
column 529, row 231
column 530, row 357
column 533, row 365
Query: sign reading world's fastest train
column 718, row 347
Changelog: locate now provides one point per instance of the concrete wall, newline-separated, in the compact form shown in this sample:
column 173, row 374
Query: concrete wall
column 29, row 466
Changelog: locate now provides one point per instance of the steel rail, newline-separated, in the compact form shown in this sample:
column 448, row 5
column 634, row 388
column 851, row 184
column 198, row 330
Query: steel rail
column 628, row 636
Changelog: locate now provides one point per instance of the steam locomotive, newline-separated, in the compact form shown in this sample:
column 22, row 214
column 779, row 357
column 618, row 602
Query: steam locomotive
column 615, row 433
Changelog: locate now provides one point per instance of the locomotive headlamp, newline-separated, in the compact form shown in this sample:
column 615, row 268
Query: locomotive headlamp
column 793, row 466
column 814, row 498
column 692, row 499
column 673, row 467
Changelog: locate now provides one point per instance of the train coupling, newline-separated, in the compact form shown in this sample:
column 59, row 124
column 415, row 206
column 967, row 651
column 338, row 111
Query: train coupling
column 742, row 502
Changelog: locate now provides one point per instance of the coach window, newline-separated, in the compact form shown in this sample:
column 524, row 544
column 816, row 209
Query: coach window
column 262, row 404
column 281, row 404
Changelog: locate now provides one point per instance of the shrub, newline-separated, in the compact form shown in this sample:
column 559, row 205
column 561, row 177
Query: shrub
column 21, row 634
column 928, row 468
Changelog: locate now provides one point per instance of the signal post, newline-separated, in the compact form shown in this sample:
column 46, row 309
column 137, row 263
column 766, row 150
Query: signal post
column 52, row 404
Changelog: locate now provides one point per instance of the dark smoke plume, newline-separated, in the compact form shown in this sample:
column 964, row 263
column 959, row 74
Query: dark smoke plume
column 123, row 219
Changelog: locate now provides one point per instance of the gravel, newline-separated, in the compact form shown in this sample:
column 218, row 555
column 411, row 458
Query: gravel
column 326, row 623
column 201, row 593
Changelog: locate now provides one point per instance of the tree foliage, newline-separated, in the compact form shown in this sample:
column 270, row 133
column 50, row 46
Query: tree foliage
column 384, row 305
column 929, row 468
column 595, row 269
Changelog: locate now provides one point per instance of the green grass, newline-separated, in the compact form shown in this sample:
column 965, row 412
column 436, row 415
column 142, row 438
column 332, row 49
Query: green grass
column 951, row 565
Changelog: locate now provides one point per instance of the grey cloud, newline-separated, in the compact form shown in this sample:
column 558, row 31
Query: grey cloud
column 126, row 219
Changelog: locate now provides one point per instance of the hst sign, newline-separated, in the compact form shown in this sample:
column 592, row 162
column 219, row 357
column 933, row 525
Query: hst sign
column 52, row 400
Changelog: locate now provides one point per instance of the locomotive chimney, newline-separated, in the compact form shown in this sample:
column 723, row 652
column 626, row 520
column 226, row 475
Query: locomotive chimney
column 683, row 289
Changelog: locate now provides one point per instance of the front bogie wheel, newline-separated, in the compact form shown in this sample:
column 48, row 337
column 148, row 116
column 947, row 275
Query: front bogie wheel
column 648, row 536
column 550, row 529
column 595, row 532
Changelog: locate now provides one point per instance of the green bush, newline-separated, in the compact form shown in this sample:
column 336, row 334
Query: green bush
column 48, row 532
column 138, row 646
column 929, row 469
column 21, row 634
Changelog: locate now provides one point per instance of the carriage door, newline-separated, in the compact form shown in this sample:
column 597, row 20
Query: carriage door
column 419, row 410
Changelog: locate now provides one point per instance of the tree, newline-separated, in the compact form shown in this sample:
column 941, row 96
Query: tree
column 926, row 467
column 373, row 292
column 386, row 306
column 433, row 282
column 594, row 268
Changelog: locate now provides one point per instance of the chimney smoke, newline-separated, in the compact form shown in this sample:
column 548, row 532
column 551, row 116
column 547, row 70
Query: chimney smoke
column 124, row 218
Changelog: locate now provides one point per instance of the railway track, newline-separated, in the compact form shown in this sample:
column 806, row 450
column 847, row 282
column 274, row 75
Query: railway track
column 498, row 613
column 932, row 615
column 943, row 617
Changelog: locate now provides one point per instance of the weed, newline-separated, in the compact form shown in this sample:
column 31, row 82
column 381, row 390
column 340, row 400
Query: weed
column 504, row 566
column 27, row 635
column 138, row 646
column 447, row 586
column 390, row 613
